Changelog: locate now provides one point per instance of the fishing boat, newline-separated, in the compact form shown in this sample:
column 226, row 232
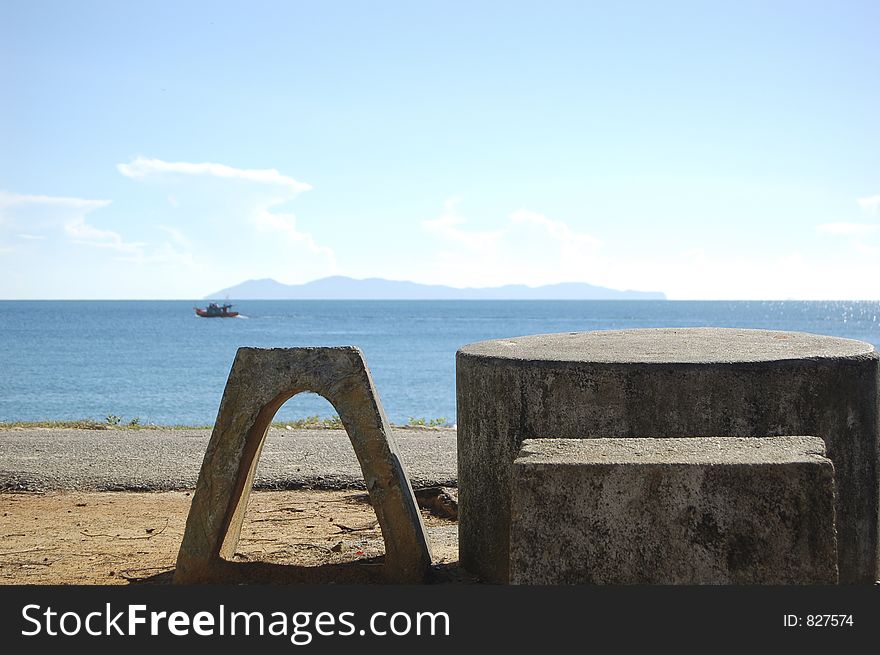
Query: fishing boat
column 213, row 310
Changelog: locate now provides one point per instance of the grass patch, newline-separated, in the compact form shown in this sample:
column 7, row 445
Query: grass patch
column 441, row 422
column 115, row 422
column 311, row 423
column 81, row 424
column 110, row 423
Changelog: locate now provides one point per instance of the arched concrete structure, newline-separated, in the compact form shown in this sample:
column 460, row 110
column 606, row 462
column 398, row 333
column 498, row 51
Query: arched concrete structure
column 260, row 382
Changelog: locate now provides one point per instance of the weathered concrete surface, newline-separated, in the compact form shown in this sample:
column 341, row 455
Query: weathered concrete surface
column 260, row 382
column 673, row 511
column 664, row 383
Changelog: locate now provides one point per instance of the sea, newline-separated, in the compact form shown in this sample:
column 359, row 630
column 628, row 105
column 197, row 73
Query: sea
column 156, row 362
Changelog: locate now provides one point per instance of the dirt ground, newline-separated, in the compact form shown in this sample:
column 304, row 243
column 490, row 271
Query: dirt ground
column 128, row 538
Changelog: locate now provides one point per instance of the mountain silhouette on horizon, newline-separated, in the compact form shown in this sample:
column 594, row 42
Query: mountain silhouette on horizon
column 338, row 287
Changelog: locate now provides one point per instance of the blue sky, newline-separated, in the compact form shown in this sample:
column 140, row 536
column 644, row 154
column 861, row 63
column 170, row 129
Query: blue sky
column 704, row 149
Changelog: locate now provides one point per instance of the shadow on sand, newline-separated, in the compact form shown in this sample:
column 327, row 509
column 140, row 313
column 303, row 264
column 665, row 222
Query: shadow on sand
column 365, row 571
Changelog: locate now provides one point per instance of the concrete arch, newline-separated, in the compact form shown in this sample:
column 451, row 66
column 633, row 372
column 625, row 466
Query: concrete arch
column 260, row 382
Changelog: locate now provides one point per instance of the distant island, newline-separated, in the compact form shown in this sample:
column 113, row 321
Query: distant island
column 338, row 287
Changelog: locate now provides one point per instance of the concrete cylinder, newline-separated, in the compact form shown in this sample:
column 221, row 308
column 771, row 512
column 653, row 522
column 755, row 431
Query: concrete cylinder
column 693, row 382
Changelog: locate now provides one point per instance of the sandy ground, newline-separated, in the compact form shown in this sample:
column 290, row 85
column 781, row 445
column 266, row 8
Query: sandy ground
column 76, row 537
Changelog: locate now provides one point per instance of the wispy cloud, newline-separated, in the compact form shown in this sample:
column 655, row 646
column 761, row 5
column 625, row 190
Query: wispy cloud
column 569, row 239
column 82, row 233
column 35, row 218
column 8, row 199
column 870, row 204
column 867, row 249
column 255, row 206
column 177, row 236
column 285, row 223
column 142, row 167
column 861, row 236
column 450, row 226
column 847, row 229
column 523, row 247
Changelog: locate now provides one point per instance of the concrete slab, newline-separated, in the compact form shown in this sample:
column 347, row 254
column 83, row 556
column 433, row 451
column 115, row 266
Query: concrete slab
column 673, row 511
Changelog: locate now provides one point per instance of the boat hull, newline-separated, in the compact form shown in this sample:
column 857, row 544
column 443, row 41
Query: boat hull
column 206, row 314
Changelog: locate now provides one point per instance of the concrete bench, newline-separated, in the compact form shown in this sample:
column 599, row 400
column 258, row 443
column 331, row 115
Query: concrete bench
column 665, row 383
column 673, row 511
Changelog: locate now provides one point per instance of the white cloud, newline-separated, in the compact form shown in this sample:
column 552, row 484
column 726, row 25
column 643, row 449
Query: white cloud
column 693, row 254
column 568, row 239
column 269, row 240
column 536, row 249
column 847, row 229
column 449, row 226
column 870, row 204
column 8, row 200
column 868, row 250
column 165, row 255
column 859, row 235
column 279, row 189
column 82, row 233
column 177, row 236
column 285, row 223
column 141, row 167
column 525, row 248
column 35, row 218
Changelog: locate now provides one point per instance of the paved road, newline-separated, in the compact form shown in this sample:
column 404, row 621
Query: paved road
column 36, row 459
